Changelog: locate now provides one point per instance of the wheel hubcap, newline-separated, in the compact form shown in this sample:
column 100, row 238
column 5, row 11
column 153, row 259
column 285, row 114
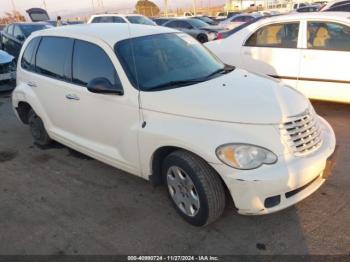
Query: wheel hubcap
column 183, row 191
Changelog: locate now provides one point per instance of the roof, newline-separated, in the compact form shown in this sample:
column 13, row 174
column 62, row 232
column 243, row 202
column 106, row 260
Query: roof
column 110, row 33
column 119, row 15
column 344, row 16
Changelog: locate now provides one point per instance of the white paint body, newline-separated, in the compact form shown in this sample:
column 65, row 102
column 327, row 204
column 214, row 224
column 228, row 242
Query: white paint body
column 237, row 107
column 305, row 69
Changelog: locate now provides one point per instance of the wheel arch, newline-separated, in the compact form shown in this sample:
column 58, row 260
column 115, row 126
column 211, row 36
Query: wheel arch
column 158, row 157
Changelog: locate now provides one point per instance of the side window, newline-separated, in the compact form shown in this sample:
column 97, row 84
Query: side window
column 276, row 35
column 106, row 19
column 17, row 33
column 96, row 20
column 173, row 24
column 27, row 61
column 117, row 19
column 328, row 36
column 10, row 30
column 183, row 24
column 55, row 64
column 91, row 62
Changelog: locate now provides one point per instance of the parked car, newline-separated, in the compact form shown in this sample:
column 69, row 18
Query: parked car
column 196, row 28
column 148, row 100
column 206, row 19
column 118, row 18
column 334, row 4
column 7, row 66
column 14, row 35
column 221, row 15
column 339, row 8
column 237, row 20
column 308, row 8
column 310, row 52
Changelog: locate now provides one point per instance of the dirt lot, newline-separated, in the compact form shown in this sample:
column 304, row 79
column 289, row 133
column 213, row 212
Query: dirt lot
column 57, row 201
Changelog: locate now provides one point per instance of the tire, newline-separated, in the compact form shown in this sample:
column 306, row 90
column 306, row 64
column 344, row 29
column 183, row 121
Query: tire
column 201, row 202
column 38, row 130
column 202, row 38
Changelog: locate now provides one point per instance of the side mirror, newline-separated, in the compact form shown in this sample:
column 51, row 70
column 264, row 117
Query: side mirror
column 20, row 38
column 102, row 85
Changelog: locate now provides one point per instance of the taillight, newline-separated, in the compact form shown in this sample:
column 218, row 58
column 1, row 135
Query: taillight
column 219, row 36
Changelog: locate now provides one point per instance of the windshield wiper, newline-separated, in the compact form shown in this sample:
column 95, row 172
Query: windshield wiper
column 177, row 83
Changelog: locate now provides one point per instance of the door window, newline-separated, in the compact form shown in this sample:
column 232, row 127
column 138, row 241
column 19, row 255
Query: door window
column 328, row 36
column 27, row 61
column 10, row 30
column 53, row 58
column 276, row 35
column 91, row 62
column 17, row 33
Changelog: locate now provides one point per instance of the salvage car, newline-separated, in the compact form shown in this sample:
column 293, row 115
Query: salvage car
column 154, row 102
column 310, row 52
column 7, row 67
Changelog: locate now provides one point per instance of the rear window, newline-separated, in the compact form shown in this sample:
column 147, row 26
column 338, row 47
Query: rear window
column 54, row 56
column 140, row 20
column 27, row 61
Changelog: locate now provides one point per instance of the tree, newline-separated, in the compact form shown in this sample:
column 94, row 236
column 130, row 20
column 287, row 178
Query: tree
column 147, row 8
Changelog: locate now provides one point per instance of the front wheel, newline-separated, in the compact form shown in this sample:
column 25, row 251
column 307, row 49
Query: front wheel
column 202, row 38
column 194, row 188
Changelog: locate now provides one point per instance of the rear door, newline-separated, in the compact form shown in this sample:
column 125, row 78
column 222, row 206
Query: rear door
column 325, row 70
column 51, row 83
column 273, row 50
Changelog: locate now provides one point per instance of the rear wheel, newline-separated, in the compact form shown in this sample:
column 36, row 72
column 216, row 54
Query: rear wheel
column 202, row 38
column 38, row 130
column 194, row 188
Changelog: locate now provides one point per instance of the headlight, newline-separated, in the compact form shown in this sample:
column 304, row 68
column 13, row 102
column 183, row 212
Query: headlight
column 245, row 156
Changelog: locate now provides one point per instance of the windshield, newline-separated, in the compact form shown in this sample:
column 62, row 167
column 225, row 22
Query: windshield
column 28, row 29
column 140, row 20
column 166, row 61
column 198, row 23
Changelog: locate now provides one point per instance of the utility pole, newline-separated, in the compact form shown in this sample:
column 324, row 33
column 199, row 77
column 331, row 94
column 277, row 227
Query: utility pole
column 93, row 6
column 13, row 5
column 166, row 8
column 44, row 3
column 194, row 7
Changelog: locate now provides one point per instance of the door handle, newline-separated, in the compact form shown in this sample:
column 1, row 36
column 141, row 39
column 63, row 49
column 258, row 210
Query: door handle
column 31, row 84
column 72, row 97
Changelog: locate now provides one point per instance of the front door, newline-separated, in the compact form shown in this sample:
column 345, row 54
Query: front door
column 105, row 125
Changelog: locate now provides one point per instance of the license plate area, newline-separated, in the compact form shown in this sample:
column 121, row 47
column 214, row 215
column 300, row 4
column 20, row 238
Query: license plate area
column 330, row 164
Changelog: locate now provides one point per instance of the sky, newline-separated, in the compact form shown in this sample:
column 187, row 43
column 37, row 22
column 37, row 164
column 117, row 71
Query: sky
column 68, row 6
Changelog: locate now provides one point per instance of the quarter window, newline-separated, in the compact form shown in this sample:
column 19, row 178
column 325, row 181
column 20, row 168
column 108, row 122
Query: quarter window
column 328, row 36
column 54, row 57
column 17, row 33
column 91, row 62
column 10, row 30
column 276, row 35
column 27, row 61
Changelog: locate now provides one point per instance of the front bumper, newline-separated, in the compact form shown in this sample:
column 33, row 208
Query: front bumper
column 272, row 188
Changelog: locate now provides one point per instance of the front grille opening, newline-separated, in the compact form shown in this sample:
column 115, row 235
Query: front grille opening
column 272, row 201
column 298, row 190
column 302, row 134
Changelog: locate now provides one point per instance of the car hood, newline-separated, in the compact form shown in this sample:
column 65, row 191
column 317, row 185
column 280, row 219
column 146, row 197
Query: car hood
column 5, row 57
column 237, row 97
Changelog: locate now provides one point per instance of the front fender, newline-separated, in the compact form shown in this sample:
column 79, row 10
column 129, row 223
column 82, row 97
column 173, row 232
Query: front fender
column 201, row 137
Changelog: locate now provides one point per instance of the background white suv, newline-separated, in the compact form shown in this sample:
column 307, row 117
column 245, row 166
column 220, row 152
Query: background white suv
column 117, row 18
column 154, row 102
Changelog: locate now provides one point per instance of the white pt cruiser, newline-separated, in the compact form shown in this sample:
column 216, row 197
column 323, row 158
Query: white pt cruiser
column 154, row 102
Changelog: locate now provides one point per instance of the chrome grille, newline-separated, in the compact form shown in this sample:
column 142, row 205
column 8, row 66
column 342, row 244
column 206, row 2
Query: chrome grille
column 302, row 133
